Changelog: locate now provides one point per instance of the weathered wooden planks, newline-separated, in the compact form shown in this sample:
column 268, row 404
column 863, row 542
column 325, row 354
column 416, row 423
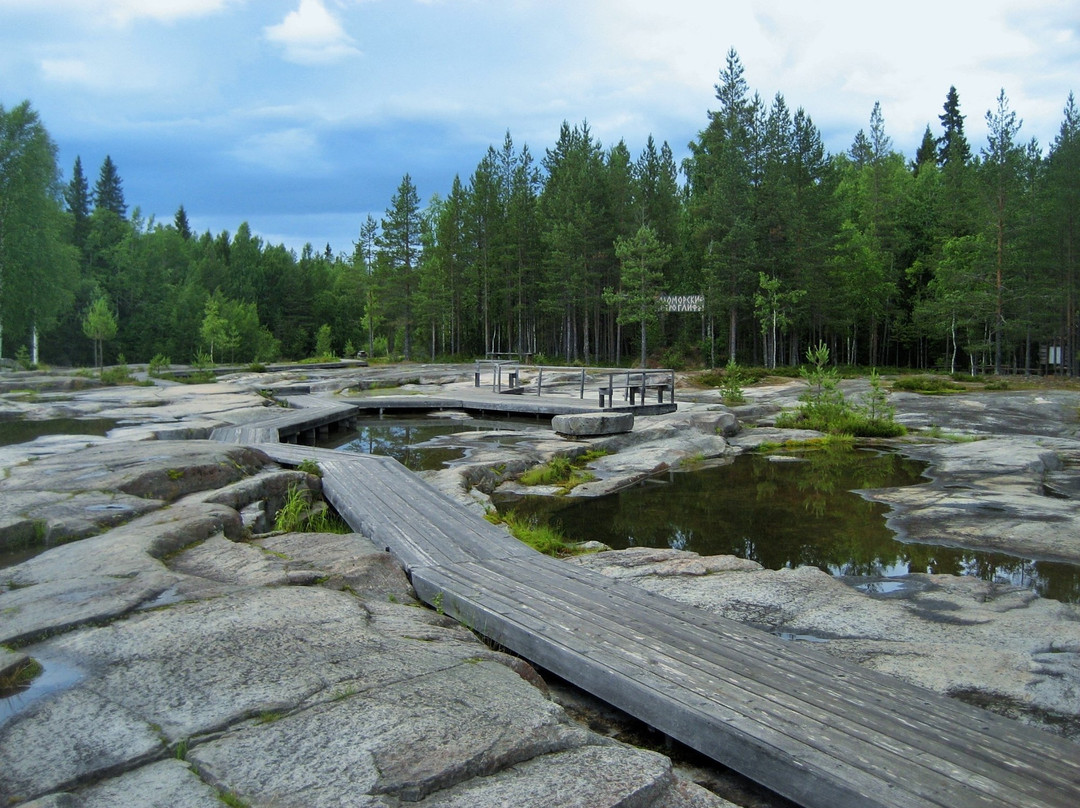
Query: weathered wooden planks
column 784, row 714
column 813, row 728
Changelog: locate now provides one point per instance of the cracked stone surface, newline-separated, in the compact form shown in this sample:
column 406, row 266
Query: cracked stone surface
column 185, row 659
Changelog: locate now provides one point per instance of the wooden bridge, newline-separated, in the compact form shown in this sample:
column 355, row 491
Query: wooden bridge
column 819, row 731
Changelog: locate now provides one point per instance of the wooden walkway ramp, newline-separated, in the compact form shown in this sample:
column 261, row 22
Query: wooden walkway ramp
column 822, row 732
column 305, row 414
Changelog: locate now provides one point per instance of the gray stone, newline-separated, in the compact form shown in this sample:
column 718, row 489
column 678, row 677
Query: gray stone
column 406, row 740
column 65, row 741
column 589, row 776
column 168, row 784
column 343, row 561
column 590, row 424
column 103, row 577
column 1002, row 645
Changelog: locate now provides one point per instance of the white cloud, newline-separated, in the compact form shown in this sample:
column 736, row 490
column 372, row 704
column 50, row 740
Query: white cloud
column 285, row 151
column 123, row 11
column 312, row 35
column 164, row 10
column 74, row 71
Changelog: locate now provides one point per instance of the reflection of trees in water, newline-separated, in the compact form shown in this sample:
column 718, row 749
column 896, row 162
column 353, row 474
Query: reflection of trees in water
column 788, row 514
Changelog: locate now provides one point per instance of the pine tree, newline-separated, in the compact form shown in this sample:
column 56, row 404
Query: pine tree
column 642, row 257
column 401, row 244
column 1063, row 205
column 1000, row 165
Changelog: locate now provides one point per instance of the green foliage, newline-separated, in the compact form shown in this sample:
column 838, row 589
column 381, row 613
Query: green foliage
column 559, row 471
column 231, row 800
column 309, row 466
column 99, row 324
column 293, row 512
column 876, row 405
column 297, row 514
column 955, row 259
column 19, row 677
column 117, row 375
column 927, row 385
column 22, row 356
column 158, row 365
column 824, row 408
column 731, row 383
column 324, row 348
column 545, row 539
column 823, row 401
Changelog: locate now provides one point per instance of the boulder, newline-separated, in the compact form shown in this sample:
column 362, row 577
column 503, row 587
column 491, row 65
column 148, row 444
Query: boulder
column 591, row 424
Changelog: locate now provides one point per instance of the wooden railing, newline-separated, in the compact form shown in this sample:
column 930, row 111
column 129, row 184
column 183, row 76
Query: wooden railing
column 506, row 375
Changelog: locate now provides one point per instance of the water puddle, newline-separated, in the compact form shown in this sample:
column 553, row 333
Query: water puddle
column 426, row 444
column 22, row 431
column 54, row 677
column 787, row 514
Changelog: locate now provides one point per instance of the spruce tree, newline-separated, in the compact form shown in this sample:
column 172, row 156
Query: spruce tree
column 180, row 222
column 77, row 196
column 108, row 190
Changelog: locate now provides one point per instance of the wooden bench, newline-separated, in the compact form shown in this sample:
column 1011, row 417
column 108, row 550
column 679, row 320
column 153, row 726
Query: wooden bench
column 631, row 390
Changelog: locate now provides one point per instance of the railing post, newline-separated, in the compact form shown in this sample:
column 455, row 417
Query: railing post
column 540, row 381
column 581, row 393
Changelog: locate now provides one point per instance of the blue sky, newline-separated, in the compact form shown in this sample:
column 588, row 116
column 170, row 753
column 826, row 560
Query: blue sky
column 301, row 116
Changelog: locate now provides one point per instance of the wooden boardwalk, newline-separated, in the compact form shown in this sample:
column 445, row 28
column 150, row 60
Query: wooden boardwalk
column 822, row 732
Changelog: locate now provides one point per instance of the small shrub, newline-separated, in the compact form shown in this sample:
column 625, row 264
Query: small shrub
column 120, row 374
column 22, row 356
column 927, row 385
column 158, row 364
column 731, row 384
column 309, row 466
column 674, row 358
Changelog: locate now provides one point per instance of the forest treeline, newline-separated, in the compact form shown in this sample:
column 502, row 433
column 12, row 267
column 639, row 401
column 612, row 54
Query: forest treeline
column 961, row 257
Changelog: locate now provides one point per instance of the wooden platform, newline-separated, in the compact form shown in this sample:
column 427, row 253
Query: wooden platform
column 824, row 733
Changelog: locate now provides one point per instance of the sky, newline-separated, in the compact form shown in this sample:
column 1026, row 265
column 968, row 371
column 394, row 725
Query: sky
column 301, row 117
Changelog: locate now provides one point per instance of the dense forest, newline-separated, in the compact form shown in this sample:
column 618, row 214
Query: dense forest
column 960, row 257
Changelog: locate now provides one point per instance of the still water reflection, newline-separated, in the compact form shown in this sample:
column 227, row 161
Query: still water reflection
column 22, row 431
column 786, row 512
column 423, row 444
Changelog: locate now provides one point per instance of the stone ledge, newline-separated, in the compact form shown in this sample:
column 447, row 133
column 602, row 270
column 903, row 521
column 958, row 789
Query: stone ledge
column 591, row 424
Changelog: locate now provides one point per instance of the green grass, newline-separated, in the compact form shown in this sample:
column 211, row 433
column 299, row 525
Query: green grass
column 545, row 539
column 954, row 437
column 19, row 677
column 232, row 800
column 560, row 471
column 841, row 423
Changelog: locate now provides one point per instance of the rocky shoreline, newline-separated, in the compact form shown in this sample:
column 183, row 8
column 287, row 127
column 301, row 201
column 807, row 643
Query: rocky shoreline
column 191, row 654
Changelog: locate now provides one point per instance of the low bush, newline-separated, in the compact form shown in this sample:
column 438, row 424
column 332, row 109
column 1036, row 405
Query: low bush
column 927, row 385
